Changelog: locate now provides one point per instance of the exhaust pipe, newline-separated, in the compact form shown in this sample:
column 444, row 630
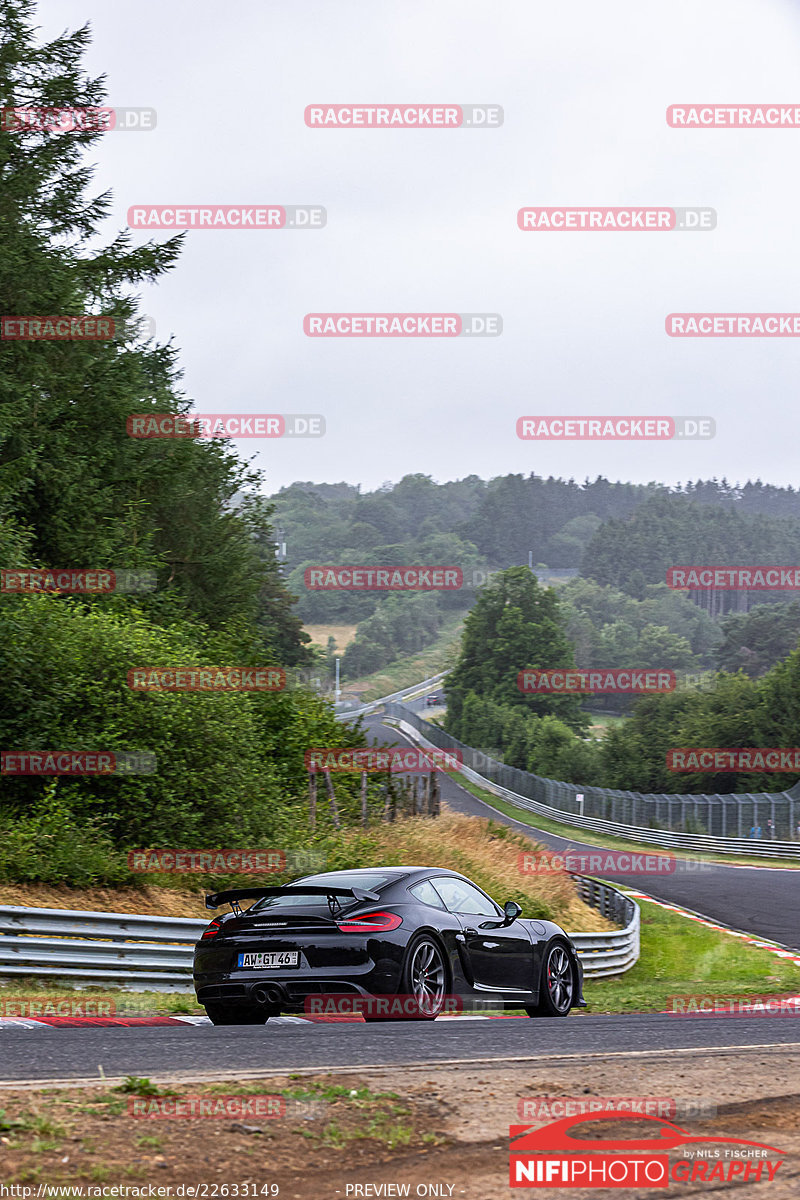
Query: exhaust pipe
column 269, row 995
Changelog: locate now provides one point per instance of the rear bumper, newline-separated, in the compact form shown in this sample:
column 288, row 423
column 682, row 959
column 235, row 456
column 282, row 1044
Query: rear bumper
column 337, row 965
column 293, row 992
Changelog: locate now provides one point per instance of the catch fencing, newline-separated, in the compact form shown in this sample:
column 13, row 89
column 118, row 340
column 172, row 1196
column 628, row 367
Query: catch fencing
column 140, row 953
column 717, row 823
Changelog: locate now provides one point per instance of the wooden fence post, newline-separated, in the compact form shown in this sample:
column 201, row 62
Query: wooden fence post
column 312, row 799
column 332, row 799
column 364, row 798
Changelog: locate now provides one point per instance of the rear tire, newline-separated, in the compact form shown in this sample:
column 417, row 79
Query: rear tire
column 556, row 986
column 425, row 978
column 230, row 1014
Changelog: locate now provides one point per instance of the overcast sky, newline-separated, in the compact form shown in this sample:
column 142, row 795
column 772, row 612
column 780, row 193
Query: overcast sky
column 426, row 221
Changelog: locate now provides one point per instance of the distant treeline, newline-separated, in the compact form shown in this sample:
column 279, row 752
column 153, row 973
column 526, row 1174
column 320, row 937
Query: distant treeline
column 619, row 534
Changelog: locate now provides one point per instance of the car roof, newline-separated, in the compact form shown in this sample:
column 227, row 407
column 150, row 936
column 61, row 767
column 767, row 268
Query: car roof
column 398, row 872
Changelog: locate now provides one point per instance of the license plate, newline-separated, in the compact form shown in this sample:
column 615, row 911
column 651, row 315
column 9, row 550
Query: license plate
column 271, row 959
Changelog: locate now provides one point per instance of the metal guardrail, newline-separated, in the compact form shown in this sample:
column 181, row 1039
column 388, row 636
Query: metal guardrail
column 403, row 694
column 565, row 802
column 611, row 953
column 142, row 953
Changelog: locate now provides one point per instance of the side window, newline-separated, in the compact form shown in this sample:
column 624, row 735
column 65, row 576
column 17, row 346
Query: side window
column 461, row 897
column 427, row 894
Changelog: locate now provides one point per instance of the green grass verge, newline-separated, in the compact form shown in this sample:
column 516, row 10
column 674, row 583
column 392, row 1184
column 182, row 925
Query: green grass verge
column 680, row 957
column 407, row 671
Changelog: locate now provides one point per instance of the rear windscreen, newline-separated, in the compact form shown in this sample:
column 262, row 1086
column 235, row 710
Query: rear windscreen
column 365, row 880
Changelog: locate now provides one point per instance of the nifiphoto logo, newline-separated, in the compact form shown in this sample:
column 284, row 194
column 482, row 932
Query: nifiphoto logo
column 657, row 1154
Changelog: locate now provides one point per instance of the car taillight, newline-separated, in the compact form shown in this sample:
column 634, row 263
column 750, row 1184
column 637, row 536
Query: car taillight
column 211, row 931
column 374, row 922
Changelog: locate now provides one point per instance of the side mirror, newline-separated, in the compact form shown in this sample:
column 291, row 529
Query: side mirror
column 512, row 911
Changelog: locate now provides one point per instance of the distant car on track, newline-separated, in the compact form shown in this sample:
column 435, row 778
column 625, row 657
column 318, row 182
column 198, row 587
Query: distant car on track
column 434, row 700
column 419, row 932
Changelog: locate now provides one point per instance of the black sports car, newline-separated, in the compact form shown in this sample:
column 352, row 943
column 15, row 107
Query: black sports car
column 423, row 934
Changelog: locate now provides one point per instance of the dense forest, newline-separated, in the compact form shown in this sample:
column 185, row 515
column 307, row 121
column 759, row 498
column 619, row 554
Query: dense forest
column 621, row 536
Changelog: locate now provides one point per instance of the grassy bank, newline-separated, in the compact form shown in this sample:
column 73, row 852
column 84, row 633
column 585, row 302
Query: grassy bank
column 680, row 957
column 407, row 671
column 484, row 850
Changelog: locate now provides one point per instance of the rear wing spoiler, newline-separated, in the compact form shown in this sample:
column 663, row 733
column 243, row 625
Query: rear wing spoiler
column 232, row 897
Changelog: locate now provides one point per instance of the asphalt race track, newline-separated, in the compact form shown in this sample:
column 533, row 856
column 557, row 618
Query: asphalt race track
column 62, row 1054
column 760, row 900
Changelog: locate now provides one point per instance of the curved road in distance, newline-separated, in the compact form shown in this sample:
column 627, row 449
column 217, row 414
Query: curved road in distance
column 45, row 1053
column 758, row 900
